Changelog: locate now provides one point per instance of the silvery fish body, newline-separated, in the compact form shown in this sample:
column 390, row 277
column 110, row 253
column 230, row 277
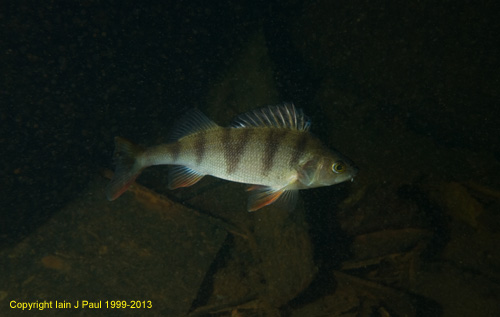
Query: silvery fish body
column 269, row 148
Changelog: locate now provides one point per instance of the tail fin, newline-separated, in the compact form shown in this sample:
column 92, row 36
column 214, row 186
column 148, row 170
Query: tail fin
column 127, row 167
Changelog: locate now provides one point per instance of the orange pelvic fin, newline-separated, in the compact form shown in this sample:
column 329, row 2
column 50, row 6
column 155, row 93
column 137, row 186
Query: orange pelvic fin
column 262, row 196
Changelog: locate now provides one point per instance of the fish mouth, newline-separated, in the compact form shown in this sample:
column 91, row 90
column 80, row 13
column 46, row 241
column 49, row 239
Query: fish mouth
column 354, row 172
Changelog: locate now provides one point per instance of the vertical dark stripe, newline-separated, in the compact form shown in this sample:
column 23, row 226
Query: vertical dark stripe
column 272, row 143
column 174, row 149
column 298, row 149
column 236, row 148
column 199, row 147
column 225, row 140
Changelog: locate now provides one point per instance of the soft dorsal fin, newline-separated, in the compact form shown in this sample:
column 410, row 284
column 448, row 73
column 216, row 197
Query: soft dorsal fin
column 284, row 116
column 192, row 122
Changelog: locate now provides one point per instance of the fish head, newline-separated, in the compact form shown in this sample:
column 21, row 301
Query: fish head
column 325, row 169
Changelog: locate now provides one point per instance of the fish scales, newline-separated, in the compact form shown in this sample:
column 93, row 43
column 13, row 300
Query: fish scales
column 260, row 156
column 270, row 149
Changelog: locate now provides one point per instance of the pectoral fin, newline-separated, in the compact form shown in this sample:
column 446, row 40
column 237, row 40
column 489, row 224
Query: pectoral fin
column 262, row 196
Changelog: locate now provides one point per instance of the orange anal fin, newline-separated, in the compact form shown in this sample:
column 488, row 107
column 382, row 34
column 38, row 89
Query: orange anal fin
column 181, row 176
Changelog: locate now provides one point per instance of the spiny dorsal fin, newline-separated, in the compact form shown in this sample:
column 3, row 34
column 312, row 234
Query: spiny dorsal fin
column 284, row 116
column 192, row 122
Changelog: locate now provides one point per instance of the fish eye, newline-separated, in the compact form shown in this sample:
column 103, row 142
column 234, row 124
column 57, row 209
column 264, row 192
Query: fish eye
column 338, row 167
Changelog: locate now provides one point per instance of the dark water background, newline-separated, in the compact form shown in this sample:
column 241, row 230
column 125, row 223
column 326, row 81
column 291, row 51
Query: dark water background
column 409, row 91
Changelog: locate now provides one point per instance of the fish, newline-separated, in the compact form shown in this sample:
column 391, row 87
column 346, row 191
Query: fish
column 270, row 149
